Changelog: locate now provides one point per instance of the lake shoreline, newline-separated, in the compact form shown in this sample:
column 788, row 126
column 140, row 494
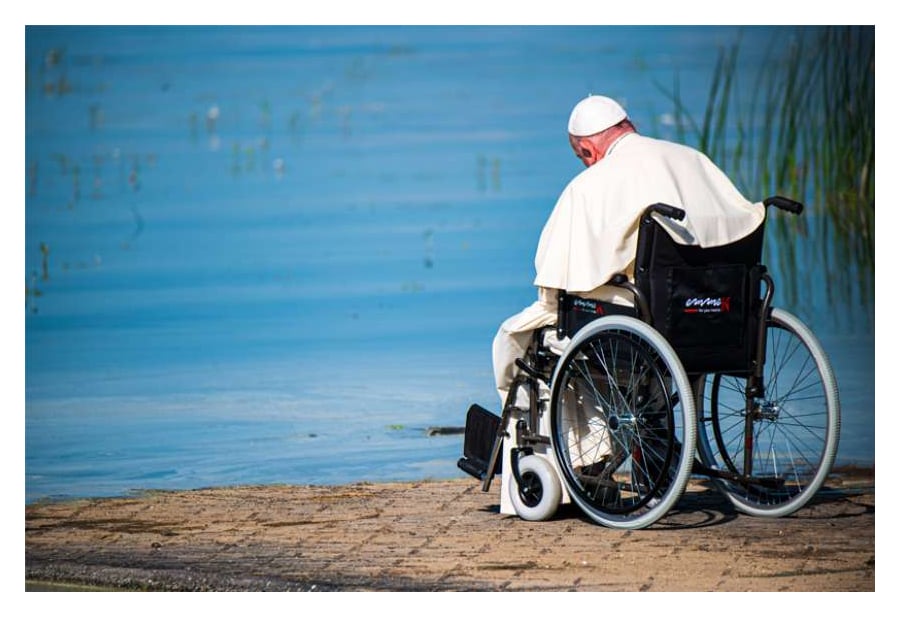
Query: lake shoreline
column 441, row 535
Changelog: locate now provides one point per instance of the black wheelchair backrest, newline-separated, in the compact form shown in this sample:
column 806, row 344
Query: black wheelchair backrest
column 704, row 301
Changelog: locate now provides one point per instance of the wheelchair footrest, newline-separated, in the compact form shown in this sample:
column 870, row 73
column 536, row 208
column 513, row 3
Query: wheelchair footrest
column 482, row 428
column 476, row 469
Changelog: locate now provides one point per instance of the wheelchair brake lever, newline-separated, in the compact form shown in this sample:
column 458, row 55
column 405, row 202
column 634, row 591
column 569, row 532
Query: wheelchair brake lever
column 532, row 372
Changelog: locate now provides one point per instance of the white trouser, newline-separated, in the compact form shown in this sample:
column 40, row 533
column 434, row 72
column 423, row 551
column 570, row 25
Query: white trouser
column 510, row 343
column 514, row 336
column 515, row 333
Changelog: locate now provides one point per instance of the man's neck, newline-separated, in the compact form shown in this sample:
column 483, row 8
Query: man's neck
column 615, row 141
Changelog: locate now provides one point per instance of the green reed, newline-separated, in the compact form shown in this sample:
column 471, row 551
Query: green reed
column 806, row 130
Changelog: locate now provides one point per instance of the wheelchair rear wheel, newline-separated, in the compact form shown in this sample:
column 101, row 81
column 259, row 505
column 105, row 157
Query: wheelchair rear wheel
column 622, row 422
column 782, row 444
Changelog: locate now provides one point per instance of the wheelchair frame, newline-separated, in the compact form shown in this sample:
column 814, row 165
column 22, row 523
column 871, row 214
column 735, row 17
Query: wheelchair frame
column 655, row 439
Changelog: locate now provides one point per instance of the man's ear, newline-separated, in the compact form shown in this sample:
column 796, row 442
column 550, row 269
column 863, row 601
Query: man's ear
column 590, row 151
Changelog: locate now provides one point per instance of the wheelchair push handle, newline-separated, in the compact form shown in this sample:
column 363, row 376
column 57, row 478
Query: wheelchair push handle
column 783, row 203
column 666, row 210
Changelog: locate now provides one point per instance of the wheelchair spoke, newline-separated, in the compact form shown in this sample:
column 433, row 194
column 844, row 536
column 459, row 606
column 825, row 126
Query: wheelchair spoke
column 585, row 374
column 603, row 361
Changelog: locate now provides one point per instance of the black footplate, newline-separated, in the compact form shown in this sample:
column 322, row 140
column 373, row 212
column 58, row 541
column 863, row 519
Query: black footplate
column 481, row 431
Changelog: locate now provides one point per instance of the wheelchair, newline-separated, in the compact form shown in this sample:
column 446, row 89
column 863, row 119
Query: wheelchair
column 702, row 376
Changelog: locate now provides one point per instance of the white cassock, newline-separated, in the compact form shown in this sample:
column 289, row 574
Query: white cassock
column 591, row 234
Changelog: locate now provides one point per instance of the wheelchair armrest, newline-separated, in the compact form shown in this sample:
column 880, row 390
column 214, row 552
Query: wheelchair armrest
column 532, row 372
column 640, row 300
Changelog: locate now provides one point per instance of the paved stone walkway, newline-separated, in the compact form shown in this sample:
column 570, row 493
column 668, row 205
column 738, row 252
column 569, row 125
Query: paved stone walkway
column 443, row 535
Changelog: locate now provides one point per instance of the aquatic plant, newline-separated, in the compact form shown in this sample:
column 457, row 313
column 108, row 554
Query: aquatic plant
column 32, row 292
column 45, row 261
column 806, row 130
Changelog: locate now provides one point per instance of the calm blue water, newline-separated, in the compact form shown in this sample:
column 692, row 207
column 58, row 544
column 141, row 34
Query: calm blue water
column 277, row 255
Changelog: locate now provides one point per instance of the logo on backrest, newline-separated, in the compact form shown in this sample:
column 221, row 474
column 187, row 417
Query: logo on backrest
column 720, row 304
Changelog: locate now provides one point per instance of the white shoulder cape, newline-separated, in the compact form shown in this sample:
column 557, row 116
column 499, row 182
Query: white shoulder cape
column 592, row 232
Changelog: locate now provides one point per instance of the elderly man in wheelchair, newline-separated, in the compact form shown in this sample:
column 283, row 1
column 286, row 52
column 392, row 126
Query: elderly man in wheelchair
column 661, row 356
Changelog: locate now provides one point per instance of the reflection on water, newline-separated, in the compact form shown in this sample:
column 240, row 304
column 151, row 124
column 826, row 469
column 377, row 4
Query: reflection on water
column 280, row 255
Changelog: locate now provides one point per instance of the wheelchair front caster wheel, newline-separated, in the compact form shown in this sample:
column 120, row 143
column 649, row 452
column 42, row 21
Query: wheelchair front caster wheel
column 537, row 498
